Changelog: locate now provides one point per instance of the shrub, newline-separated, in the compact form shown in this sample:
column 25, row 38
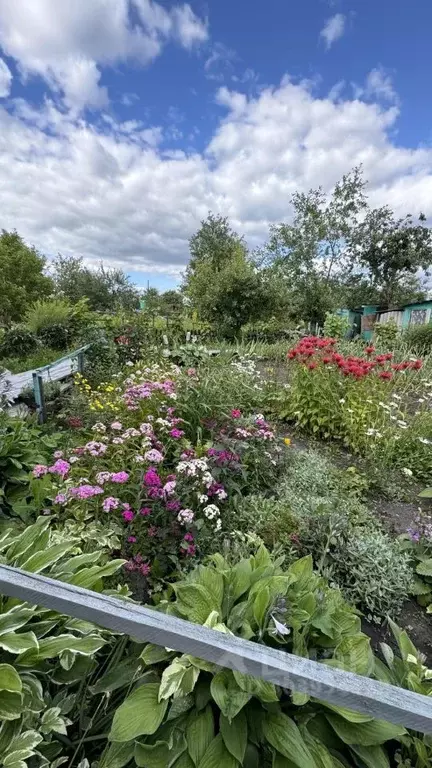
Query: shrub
column 336, row 326
column 419, row 338
column 18, row 342
column 47, row 312
column 386, row 333
column 56, row 336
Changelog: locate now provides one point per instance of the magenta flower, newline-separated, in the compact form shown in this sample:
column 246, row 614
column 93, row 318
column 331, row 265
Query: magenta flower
column 173, row 506
column 39, row 470
column 119, row 477
column 85, row 491
column 132, row 539
column 235, row 413
column 155, row 493
column 191, row 550
column 152, row 531
column 188, row 537
column 60, row 498
column 176, row 433
column 145, row 511
column 151, row 478
column 128, row 515
column 110, row 503
column 145, row 569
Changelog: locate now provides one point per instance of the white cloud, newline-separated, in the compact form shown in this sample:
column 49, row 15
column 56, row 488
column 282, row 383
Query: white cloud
column 5, row 79
column 115, row 192
column 379, row 85
column 333, row 29
column 66, row 42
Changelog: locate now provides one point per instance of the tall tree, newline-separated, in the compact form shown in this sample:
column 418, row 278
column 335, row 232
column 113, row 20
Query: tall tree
column 392, row 252
column 215, row 242
column 105, row 289
column 22, row 277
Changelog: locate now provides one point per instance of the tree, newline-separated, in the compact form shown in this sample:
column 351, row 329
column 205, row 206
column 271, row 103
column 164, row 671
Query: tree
column 215, row 243
column 171, row 303
column 311, row 253
column 392, row 252
column 22, row 277
column 105, row 289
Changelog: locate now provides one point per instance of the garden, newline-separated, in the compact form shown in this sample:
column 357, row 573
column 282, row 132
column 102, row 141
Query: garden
column 231, row 455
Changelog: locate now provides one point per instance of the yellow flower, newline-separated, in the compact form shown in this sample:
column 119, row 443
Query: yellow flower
column 287, row 441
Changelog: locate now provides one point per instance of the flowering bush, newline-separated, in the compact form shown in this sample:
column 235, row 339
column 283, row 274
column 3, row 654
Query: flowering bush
column 373, row 403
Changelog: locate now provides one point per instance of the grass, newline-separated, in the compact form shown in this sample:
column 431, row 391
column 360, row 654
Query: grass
column 36, row 360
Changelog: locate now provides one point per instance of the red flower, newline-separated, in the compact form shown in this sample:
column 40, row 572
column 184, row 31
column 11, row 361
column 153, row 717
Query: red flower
column 311, row 366
column 417, row 364
column 370, row 350
column 75, row 422
column 235, row 413
column 327, row 360
column 385, row 375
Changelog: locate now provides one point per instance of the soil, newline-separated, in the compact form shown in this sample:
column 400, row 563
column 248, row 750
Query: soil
column 414, row 620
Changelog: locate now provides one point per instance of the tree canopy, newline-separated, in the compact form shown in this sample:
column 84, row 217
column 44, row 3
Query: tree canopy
column 22, row 277
column 105, row 289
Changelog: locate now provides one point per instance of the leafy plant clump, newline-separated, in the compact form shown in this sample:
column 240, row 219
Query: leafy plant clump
column 18, row 342
column 194, row 713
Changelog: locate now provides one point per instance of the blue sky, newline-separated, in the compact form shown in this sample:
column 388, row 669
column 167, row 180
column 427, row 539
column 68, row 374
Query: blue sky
column 122, row 122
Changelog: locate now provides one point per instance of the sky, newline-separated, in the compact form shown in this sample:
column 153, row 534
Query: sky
column 124, row 122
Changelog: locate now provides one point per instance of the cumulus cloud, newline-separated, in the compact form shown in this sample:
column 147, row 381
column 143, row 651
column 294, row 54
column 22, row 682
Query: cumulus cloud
column 66, row 43
column 5, row 79
column 116, row 192
column 333, row 29
column 379, row 85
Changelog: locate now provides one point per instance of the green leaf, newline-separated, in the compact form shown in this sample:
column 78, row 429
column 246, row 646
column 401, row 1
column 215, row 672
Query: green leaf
column 117, row 755
column 30, row 537
column 27, row 740
column 405, row 645
column 194, row 601
column 87, row 578
column 255, row 687
column 18, row 643
column 234, row 734
column 41, row 560
column 184, row 761
column 372, row 757
column 179, row 678
column 227, row 694
column 52, row 720
column 354, row 654
column 53, row 646
column 347, row 714
column 200, row 733
column 122, row 674
column 425, row 568
column 161, row 754
column 153, row 654
column 212, row 581
column 260, row 606
column 140, row 714
column 11, row 705
column 426, row 494
column 239, row 580
column 16, row 618
column 282, row 733
column 10, row 679
column 217, row 756
column 368, row 734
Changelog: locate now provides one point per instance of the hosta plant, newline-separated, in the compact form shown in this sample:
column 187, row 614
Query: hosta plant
column 195, row 714
column 47, row 658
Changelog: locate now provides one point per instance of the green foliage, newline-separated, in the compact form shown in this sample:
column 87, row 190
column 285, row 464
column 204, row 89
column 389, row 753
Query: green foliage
column 197, row 713
column 45, row 313
column 22, row 278
column 42, row 356
column 386, row 333
column 22, row 445
column 336, row 326
column 419, row 338
column 46, row 659
column 18, row 342
column 105, row 289
column 417, row 543
column 188, row 355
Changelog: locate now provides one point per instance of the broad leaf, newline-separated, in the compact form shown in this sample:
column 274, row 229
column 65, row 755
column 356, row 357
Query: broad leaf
column 179, row 678
column 140, row 714
column 9, row 679
column 41, row 560
column 255, row 687
column 200, row 733
column 282, row 733
column 425, row 568
column 234, row 734
column 195, row 602
column 217, row 756
column 18, row 643
column 227, row 694
column 368, row 734
column 372, row 757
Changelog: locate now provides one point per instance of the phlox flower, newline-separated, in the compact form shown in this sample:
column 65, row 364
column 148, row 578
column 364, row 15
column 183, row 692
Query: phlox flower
column 110, row 503
column 103, row 477
column 176, row 433
column 61, row 467
column 117, row 425
column 169, row 487
column 119, row 477
column 128, row 515
column 99, row 427
column 154, row 456
column 211, row 511
column 118, row 440
column 58, row 454
column 185, row 516
column 60, row 498
column 85, row 491
column 39, row 470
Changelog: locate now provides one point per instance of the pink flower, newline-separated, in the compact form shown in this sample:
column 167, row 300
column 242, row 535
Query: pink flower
column 119, row 477
column 145, row 569
column 188, row 537
column 110, row 503
column 169, row 487
column 85, row 491
column 58, row 454
column 185, row 516
column 151, row 478
column 132, row 539
column 103, row 477
column 235, row 413
column 191, row 550
column 154, row 456
column 176, row 433
column 130, row 565
column 116, row 425
column 145, row 511
column 152, row 531
column 60, row 498
column 61, row 467
column 39, row 470
column 128, row 515
column 173, row 506
column 191, row 372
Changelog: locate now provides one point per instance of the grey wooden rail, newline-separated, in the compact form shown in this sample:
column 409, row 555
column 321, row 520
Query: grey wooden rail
column 345, row 689
column 55, row 371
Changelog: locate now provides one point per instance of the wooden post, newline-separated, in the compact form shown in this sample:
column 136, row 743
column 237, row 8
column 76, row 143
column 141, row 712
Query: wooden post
column 80, row 359
column 39, row 396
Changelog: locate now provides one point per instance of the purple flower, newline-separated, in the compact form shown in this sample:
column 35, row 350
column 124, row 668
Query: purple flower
column 169, row 487
column 128, row 515
column 61, row 467
column 85, row 491
column 145, row 569
column 60, row 498
column 414, row 535
column 151, row 478
column 154, row 456
column 145, row 511
column 39, row 470
column 116, row 425
column 110, row 503
column 131, row 539
column 173, row 506
column 119, row 477
column 155, row 493
column 176, row 433
column 58, row 454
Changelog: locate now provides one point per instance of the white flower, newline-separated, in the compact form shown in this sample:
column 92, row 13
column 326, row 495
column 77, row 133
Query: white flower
column 397, row 397
column 169, row 487
column 129, row 363
column 139, row 459
column 99, row 427
column 202, row 498
column 211, row 511
column 280, row 628
column 423, row 440
column 218, row 525
column 221, row 494
column 185, row 516
column 342, row 400
column 117, row 440
column 402, row 424
column 407, row 472
column 208, row 479
column 73, row 459
column 154, row 456
column 420, row 400
column 131, row 432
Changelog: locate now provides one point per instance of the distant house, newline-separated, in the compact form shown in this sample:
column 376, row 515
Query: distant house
column 362, row 319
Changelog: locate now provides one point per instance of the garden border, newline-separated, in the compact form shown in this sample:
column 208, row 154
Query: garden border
column 336, row 686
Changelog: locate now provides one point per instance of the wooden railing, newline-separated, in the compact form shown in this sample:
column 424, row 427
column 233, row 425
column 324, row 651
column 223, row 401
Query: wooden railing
column 38, row 376
column 386, row 702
